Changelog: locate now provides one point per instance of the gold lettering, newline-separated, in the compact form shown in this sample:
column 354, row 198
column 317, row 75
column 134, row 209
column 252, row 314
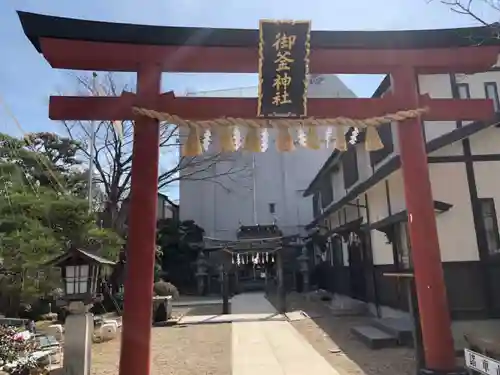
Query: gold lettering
column 277, row 99
column 283, row 45
column 283, row 60
column 281, row 84
column 281, row 98
column 285, row 97
column 282, row 81
column 284, row 41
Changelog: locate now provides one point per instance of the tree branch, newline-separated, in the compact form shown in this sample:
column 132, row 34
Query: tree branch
column 113, row 156
column 466, row 7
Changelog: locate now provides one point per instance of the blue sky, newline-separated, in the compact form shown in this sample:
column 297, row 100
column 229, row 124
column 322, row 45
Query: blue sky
column 26, row 80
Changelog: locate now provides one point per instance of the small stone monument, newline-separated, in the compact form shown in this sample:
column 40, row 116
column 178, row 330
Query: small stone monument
column 304, row 269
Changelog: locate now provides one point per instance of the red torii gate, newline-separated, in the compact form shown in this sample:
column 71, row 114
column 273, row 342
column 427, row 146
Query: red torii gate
column 151, row 50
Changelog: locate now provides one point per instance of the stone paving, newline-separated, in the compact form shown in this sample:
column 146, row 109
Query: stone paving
column 270, row 347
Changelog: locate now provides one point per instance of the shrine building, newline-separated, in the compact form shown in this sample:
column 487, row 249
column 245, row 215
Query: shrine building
column 359, row 204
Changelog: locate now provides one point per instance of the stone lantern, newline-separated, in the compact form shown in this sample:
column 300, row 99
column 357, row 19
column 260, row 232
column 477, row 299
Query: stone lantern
column 81, row 272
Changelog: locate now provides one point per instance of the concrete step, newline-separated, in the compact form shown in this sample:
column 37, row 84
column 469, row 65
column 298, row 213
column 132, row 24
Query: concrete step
column 374, row 338
column 401, row 328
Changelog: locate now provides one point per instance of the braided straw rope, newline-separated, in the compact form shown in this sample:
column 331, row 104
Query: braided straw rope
column 284, row 141
column 230, row 121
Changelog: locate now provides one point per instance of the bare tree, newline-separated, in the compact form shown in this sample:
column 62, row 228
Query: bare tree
column 472, row 9
column 112, row 156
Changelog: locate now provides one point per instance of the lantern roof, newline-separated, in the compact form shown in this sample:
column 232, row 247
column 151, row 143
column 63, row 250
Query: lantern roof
column 37, row 26
column 80, row 253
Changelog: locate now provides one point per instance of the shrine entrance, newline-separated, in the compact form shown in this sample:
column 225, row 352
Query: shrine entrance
column 252, row 265
column 284, row 53
column 260, row 260
column 254, row 271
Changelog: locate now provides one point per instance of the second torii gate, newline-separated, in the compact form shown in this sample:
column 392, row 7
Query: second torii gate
column 151, row 50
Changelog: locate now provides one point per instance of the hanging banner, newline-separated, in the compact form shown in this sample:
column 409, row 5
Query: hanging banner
column 284, row 48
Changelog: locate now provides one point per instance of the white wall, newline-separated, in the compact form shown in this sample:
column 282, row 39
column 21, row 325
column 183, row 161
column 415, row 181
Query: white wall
column 396, row 192
column 377, row 200
column 457, row 236
column 280, row 178
column 455, row 227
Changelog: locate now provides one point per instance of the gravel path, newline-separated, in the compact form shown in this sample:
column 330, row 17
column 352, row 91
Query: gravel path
column 332, row 338
column 179, row 350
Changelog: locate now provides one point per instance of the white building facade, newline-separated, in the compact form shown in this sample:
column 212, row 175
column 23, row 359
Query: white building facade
column 359, row 198
column 261, row 188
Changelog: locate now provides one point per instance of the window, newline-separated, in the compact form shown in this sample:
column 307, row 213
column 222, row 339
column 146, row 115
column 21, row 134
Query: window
column 491, row 90
column 272, row 208
column 463, row 90
column 77, row 278
column 490, row 223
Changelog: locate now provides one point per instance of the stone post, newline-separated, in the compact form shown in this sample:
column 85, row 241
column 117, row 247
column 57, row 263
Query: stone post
column 79, row 329
column 201, row 272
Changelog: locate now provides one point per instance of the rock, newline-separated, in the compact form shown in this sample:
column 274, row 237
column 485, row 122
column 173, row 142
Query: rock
column 55, row 330
column 107, row 332
column 162, row 309
column 160, row 314
column 112, row 322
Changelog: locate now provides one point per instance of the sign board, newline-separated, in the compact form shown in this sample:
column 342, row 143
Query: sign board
column 284, row 48
column 480, row 363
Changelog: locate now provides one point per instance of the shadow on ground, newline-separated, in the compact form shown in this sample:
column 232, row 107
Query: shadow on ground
column 331, row 337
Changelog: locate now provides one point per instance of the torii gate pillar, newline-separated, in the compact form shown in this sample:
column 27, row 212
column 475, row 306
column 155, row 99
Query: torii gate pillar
column 429, row 279
column 137, row 312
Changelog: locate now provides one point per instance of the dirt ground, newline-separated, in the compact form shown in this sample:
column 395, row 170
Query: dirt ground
column 179, row 350
column 332, row 338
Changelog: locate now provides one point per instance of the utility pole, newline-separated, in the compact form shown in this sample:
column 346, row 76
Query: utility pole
column 91, row 150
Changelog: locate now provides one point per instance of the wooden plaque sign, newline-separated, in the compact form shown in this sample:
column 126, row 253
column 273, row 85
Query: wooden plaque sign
column 283, row 68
